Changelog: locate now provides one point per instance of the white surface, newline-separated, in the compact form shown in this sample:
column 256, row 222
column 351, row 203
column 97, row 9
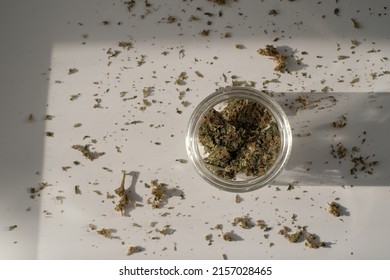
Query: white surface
column 41, row 40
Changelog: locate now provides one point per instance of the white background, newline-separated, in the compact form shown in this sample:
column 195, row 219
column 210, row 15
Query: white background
column 42, row 40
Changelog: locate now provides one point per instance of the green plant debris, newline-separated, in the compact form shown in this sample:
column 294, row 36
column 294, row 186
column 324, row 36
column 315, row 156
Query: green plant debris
column 334, row 209
column 85, row 150
column 242, row 138
column 271, row 51
column 123, row 195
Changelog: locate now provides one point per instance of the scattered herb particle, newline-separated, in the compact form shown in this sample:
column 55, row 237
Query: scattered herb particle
column 125, row 45
column 84, row 149
column 273, row 12
column 356, row 24
column 30, row 118
column 342, row 57
column 219, row 2
column 105, row 232
column 72, row 71
column 340, row 122
column 133, row 249
column 13, row 227
column 158, row 194
column 124, row 197
column 334, row 209
column 48, row 117
column 354, row 81
column 281, row 60
column 244, row 222
column 171, row 19
column 313, row 241
column 181, row 79
column 77, row 189
column 200, row 75
column 205, row 32
column 227, row 236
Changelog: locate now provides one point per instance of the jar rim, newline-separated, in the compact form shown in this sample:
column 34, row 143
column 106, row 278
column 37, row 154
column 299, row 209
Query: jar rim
column 219, row 96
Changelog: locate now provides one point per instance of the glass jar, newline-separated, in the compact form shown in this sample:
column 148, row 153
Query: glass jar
column 197, row 154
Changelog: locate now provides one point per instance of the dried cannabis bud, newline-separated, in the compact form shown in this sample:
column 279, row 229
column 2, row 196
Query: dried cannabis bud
column 106, row 232
column 242, row 138
column 312, row 241
column 292, row 237
column 244, row 222
column 271, row 51
column 124, row 197
column 84, row 149
column 227, row 236
column 334, row 209
column 159, row 192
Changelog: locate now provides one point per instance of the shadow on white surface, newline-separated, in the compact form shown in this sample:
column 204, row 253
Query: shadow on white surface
column 315, row 158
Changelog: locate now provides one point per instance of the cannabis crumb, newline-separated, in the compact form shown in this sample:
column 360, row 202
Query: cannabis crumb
column 85, row 150
column 77, row 190
column 340, row 122
column 105, row 232
column 227, row 236
column 271, row 51
column 13, row 227
column 273, row 12
column 356, row 24
column 158, row 194
column 72, row 71
column 334, row 209
column 123, row 195
column 133, row 249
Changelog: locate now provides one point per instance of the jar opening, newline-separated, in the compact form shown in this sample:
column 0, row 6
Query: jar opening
column 238, row 139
